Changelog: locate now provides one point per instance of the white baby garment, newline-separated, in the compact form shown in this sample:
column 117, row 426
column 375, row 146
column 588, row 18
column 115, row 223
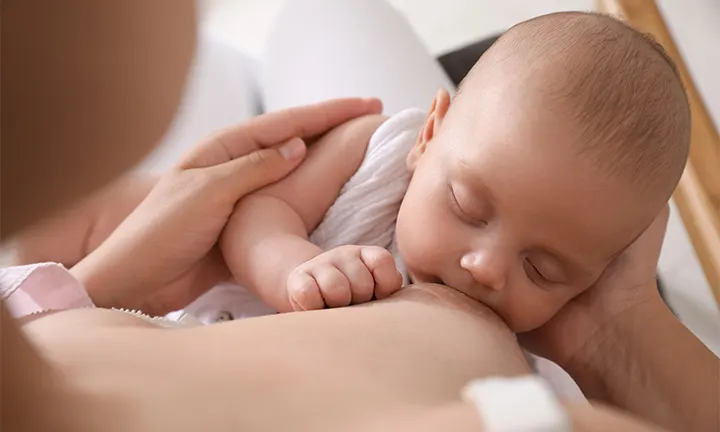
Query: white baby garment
column 363, row 214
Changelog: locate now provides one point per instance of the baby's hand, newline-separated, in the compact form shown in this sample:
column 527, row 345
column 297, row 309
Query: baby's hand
column 341, row 276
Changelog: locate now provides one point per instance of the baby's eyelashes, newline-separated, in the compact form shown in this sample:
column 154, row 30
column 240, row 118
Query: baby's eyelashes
column 543, row 274
column 463, row 214
column 535, row 274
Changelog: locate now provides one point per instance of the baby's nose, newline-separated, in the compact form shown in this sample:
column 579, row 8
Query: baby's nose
column 487, row 268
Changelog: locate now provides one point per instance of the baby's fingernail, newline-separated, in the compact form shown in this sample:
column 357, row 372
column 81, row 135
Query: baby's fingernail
column 293, row 149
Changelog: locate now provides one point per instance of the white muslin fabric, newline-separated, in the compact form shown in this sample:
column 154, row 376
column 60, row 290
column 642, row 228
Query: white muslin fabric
column 366, row 209
column 364, row 213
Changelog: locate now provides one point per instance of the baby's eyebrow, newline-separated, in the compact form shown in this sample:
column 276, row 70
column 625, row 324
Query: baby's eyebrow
column 473, row 181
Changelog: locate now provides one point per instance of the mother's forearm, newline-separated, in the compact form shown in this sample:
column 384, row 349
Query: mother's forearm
column 647, row 362
column 105, row 286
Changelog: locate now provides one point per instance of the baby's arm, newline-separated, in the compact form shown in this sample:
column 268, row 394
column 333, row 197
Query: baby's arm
column 266, row 238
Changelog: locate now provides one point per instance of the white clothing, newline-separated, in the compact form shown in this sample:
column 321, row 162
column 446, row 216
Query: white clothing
column 364, row 213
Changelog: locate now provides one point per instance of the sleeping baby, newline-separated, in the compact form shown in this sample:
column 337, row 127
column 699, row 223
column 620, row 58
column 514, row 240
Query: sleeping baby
column 559, row 149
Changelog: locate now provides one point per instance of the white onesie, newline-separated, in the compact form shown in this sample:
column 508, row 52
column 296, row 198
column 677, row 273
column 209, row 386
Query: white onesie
column 364, row 213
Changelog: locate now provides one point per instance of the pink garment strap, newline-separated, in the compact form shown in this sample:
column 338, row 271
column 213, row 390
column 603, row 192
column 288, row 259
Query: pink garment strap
column 41, row 287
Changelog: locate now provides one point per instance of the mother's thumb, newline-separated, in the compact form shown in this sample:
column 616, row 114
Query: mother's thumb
column 262, row 167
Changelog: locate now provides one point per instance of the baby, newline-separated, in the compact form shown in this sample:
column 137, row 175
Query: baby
column 559, row 149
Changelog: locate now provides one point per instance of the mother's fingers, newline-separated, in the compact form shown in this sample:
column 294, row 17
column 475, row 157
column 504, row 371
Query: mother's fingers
column 273, row 128
column 306, row 120
column 250, row 172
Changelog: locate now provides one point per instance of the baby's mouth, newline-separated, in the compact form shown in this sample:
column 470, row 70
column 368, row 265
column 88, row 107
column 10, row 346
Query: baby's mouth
column 466, row 289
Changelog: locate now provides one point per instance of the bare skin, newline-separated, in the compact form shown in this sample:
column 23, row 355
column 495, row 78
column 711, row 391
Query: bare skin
column 71, row 235
column 106, row 393
column 330, row 368
column 355, row 376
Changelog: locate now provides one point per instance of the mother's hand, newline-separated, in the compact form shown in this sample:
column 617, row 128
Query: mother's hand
column 163, row 255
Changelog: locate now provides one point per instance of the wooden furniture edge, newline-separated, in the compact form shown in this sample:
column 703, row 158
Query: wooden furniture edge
column 697, row 214
column 698, row 194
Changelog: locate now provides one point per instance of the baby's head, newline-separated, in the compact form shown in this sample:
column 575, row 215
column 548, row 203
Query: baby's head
column 560, row 148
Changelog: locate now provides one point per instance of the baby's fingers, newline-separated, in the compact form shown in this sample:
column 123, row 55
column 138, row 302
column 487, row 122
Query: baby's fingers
column 361, row 280
column 304, row 292
column 382, row 266
column 334, row 286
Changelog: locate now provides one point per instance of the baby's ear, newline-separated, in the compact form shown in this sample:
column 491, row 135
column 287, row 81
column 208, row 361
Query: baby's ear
column 438, row 109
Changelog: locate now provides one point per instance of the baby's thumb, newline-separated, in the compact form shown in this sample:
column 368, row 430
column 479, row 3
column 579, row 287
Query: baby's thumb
column 262, row 167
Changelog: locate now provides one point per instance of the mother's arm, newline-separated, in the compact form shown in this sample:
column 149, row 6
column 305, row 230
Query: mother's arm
column 69, row 236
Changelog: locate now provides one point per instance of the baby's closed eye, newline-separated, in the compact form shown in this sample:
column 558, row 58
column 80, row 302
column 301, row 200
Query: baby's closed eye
column 544, row 271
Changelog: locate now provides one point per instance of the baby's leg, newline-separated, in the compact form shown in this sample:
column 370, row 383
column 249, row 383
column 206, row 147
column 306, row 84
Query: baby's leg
column 323, row 49
column 72, row 234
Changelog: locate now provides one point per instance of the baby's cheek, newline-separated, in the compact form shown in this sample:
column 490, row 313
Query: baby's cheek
column 416, row 250
column 427, row 237
column 420, row 247
column 533, row 310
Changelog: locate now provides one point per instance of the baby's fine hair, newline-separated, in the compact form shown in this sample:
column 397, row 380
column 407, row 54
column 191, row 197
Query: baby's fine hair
column 620, row 86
